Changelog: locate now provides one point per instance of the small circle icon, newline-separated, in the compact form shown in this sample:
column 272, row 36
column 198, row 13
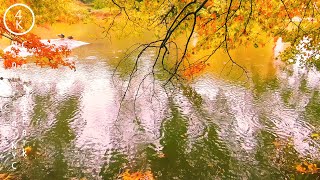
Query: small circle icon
column 18, row 22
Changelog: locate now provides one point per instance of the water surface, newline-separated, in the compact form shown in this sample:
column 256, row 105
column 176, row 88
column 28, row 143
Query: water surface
column 214, row 127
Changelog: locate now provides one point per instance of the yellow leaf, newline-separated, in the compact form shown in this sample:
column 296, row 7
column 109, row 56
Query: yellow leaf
column 314, row 135
column 137, row 175
column 28, row 150
column 301, row 169
column 161, row 155
column 277, row 144
column 6, row 177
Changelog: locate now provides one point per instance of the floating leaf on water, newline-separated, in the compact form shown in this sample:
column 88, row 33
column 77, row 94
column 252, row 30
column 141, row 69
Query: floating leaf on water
column 277, row 144
column 210, row 164
column 307, row 168
column 28, row 150
column 161, row 155
column 137, row 175
column 301, row 169
column 314, row 135
column 6, row 177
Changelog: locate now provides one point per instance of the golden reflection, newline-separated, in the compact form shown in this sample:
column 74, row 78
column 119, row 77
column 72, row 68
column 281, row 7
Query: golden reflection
column 257, row 61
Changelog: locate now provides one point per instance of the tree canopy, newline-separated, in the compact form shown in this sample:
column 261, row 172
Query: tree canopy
column 44, row 53
column 216, row 24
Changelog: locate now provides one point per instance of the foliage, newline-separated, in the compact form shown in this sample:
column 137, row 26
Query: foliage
column 43, row 54
column 99, row 4
column 87, row 1
column 137, row 175
column 6, row 177
column 214, row 25
column 48, row 12
column 194, row 69
column 28, row 150
column 306, row 168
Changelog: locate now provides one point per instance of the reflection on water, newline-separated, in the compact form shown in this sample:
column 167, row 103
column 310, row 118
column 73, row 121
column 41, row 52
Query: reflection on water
column 212, row 128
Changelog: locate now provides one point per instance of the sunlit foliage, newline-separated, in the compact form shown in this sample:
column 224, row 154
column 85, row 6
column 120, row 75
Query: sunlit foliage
column 137, row 175
column 44, row 54
column 214, row 25
column 307, row 168
column 48, row 11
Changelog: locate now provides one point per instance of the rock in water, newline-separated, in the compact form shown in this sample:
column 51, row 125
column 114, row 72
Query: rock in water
column 70, row 43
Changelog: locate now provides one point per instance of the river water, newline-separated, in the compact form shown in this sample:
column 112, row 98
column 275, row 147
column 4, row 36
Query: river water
column 214, row 127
